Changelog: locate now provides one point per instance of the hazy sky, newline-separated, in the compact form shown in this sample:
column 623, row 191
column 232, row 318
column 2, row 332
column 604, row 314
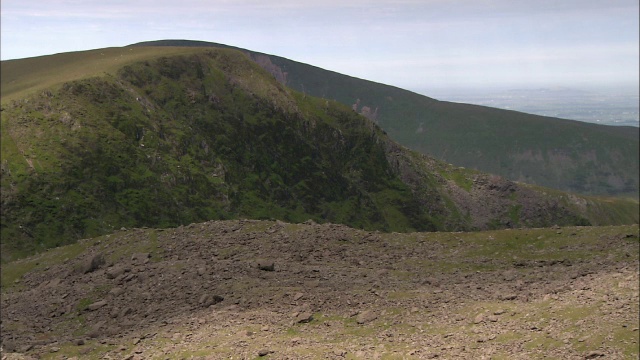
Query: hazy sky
column 413, row 44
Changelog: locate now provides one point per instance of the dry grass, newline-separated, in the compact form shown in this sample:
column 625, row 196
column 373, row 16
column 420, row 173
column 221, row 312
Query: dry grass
column 23, row 77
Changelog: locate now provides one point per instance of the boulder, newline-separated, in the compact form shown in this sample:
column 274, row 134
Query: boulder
column 92, row 264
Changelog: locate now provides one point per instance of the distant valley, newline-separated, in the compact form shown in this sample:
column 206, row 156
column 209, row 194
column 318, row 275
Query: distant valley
column 615, row 106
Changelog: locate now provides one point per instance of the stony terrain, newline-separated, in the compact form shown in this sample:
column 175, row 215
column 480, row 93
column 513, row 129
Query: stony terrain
column 263, row 289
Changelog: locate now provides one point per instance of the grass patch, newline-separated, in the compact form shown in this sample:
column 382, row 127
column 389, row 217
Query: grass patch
column 27, row 76
column 461, row 177
column 83, row 304
column 12, row 271
column 139, row 241
column 231, row 252
column 256, row 226
column 627, row 340
column 542, row 342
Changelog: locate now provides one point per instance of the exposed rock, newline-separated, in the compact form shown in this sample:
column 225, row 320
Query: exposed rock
column 9, row 345
column 265, row 265
column 594, row 354
column 366, row 316
column 54, row 283
column 263, row 352
column 207, row 300
column 92, row 264
column 124, row 312
column 304, row 317
column 96, row 329
column 202, row 270
column 96, row 305
column 407, row 316
column 114, row 271
column 140, row 258
column 116, row 291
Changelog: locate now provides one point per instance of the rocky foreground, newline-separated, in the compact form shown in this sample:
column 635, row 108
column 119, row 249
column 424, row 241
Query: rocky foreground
column 263, row 289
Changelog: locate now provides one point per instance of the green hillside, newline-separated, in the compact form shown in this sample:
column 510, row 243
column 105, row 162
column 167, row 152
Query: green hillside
column 23, row 77
column 186, row 139
column 562, row 154
column 557, row 153
column 203, row 134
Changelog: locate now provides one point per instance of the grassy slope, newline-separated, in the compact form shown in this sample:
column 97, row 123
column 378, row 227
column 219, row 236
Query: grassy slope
column 599, row 210
column 169, row 141
column 562, row 154
column 23, row 77
column 176, row 140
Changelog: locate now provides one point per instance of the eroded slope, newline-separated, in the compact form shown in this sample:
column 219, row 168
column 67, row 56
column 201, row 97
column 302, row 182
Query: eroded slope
column 224, row 289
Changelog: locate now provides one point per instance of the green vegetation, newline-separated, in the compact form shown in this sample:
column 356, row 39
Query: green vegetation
column 561, row 154
column 184, row 139
column 161, row 141
column 10, row 276
column 84, row 304
column 24, row 77
column 599, row 210
column 461, row 177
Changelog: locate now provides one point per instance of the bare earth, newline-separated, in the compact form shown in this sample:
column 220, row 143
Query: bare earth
column 264, row 289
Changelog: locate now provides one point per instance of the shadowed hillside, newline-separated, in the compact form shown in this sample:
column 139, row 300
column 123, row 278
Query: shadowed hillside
column 557, row 153
column 200, row 134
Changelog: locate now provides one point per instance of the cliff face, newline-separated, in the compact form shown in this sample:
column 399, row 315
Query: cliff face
column 562, row 154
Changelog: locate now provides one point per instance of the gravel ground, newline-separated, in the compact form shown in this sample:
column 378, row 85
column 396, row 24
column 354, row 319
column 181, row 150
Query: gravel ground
column 264, row 289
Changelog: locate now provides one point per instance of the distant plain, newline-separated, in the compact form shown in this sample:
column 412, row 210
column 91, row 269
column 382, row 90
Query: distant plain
column 605, row 106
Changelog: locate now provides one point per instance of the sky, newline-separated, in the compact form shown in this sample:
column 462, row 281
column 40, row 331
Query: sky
column 412, row 44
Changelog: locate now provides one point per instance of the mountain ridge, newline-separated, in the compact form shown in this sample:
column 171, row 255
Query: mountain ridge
column 169, row 139
column 557, row 153
column 456, row 133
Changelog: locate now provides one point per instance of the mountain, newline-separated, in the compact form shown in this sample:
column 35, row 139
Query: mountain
column 562, row 154
column 160, row 137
